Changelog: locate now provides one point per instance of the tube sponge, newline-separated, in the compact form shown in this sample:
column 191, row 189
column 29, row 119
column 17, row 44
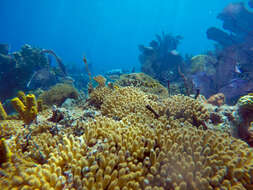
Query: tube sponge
column 5, row 153
column 27, row 112
column 3, row 114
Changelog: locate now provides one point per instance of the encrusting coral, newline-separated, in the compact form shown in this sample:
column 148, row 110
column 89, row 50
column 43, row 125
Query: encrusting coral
column 26, row 106
column 113, row 155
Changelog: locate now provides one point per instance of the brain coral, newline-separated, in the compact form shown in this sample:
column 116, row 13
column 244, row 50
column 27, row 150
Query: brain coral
column 143, row 82
column 57, row 94
column 112, row 155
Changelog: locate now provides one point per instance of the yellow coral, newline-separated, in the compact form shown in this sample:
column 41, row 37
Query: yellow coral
column 3, row 114
column 27, row 112
column 112, row 155
column 246, row 102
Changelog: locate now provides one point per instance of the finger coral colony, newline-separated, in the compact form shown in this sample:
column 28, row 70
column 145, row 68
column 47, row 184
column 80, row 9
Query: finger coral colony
column 169, row 127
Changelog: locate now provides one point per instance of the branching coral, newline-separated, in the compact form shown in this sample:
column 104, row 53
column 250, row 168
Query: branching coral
column 126, row 100
column 98, row 94
column 188, row 109
column 113, row 155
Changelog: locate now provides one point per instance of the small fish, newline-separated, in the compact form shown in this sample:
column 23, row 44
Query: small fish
column 29, row 82
column 174, row 52
column 84, row 60
column 237, row 69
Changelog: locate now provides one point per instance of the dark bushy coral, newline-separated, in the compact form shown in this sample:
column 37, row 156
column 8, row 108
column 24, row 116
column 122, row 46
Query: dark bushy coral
column 234, row 62
column 18, row 68
column 159, row 59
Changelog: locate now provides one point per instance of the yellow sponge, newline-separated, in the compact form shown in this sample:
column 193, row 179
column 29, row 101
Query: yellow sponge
column 3, row 114
column 27, row 112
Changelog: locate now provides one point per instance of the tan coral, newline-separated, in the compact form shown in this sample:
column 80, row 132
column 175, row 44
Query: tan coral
column 57, row 94
column 186, row 108
column 113, row 155
column 143, row 82
column 126, row 100
column 217, row 99
column 100, row 80
column 97, row 96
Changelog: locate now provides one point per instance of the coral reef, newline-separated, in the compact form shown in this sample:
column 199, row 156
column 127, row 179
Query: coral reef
column 232, row 60
column 126, row 136
column 143, row 82
column 26, row 106
column 20, row 70
column 58, row 93
column 113, row 155
column 29, row 68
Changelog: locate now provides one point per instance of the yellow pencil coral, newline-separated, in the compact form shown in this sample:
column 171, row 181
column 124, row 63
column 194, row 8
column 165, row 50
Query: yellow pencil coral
column 111, row 155
column 27, row 112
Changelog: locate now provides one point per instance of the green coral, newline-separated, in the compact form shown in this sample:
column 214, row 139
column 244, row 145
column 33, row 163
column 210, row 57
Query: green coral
column 246, row 102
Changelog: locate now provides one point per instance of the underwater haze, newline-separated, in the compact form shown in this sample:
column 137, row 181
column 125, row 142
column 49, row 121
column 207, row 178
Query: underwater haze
column 107, row 32
column 126, row 95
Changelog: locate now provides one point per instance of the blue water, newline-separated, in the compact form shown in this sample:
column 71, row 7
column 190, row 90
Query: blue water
column 107, row 32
